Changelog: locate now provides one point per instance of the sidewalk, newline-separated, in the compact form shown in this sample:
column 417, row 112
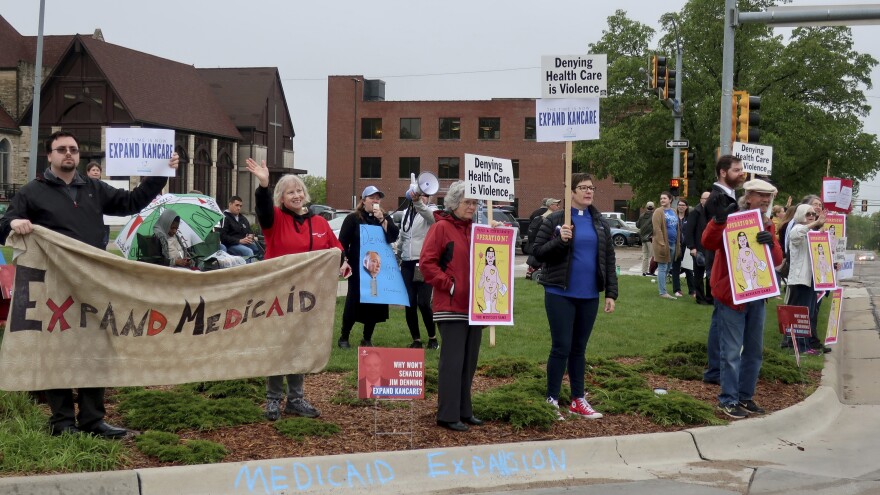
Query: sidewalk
column 827, row 444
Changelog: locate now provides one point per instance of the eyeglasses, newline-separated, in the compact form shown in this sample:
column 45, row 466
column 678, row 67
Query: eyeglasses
column 811, row 214
column 469, row 203
column 66, row 149
column 586, row 188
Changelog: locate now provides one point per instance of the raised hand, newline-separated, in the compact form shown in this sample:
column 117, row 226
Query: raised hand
column 260, row 171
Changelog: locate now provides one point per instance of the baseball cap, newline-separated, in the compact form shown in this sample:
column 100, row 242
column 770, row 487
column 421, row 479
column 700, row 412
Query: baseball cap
column 649, row 205
column 371, row 190
column 550, row 201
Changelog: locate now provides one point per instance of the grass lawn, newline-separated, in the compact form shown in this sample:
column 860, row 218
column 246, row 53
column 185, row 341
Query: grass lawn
column 643, row 325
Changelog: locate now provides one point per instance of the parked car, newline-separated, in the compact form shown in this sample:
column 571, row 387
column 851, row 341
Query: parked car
column 336, row 225
column 620, row 224
column 616, row 215
column 624, row 237
column 322, row 210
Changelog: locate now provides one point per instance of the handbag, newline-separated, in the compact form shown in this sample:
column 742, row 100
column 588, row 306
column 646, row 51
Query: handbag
column 417, row 274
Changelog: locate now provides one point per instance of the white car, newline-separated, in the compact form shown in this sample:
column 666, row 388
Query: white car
column 336, row 224
column 866, row 256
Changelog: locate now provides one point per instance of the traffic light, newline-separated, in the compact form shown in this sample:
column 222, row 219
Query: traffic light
column 687, row 161
column 669, row 85
column 864, row 205
column 746, row 117
column 673, row 187
column 658, row 74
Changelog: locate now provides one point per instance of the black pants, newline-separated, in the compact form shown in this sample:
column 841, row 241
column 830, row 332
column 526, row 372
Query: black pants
column 458, row 363
column 89, row 400
column 348, row 321
column 419, row 301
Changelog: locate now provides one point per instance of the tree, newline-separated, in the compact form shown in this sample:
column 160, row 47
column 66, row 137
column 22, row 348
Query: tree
column 811, row 90
column 317, row 187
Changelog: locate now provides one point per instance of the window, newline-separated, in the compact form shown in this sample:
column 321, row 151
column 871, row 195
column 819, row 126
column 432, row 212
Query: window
column 410, row 128
column 440, row 201
column 408, row 165
column 447, row 168
column 515, row 166
column 371, row 167
column 530, row 128
column 622, row 206
column 450, row 128
column 489, row 128
column 224, row 178
column 371, row 128
column 5, row 163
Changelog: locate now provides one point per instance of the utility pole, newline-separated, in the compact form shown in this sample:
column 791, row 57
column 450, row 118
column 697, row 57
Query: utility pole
column 676, row 105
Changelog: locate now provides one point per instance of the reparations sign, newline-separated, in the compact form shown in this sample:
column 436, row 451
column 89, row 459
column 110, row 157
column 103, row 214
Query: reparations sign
column 82, row 317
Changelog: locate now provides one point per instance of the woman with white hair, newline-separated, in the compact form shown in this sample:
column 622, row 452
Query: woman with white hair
column 800, row 291
column 290, row 228
column 445, row 263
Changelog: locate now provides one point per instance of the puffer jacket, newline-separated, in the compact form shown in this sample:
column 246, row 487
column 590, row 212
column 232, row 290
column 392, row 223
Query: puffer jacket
column 445, row 263
column 555, row 254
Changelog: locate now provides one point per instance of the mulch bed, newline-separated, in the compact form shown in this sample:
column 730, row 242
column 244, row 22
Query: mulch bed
column 358, row 424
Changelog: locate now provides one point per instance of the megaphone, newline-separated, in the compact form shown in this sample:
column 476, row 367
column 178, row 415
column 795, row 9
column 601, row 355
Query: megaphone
column 427, row 184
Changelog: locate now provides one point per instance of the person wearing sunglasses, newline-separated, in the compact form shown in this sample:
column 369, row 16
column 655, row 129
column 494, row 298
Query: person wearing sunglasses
column 68, row 202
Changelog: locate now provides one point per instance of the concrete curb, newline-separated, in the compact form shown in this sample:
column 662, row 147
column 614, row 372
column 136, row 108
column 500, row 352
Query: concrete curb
column 115, row 482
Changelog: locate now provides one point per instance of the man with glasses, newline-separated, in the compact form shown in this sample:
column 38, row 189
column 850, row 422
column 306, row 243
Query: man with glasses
column 70, row 203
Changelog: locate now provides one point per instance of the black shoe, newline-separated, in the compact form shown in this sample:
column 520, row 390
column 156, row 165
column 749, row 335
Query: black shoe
column 456, row 426
column 366, row 343
column 646, row 274
column 416, row 344
column 57, row 431
column 102, row 429
column 822, row 348
column 473, row 420
column 751, row 407
column 433, row 344
column 343, row 344
column 735, row 411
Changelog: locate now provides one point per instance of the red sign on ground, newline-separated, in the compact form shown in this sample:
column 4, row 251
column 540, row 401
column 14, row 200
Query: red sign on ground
column 391, row 373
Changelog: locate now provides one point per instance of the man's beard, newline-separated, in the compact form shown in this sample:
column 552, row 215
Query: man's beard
column 64, row 167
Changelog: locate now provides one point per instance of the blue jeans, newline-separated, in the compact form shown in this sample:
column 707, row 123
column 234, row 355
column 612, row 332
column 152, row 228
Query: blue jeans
column 244, row 251
column 713, row 351
column 571, row 323
column 740, row 330
column 663, row 269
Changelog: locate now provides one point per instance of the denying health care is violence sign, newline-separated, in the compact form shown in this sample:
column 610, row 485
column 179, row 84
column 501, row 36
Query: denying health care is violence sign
column 488, row 178
column 491, row 292
column 752, row 276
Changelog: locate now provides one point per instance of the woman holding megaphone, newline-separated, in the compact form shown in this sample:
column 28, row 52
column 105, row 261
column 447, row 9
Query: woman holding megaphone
column 368, row 212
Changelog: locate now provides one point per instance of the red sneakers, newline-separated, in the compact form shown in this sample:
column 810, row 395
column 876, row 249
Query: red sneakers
column 583, row 409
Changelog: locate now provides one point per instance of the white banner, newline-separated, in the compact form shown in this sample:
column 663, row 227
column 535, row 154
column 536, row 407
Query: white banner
column 138, row 151
column 488, row 178
column 756, row 159
column 574, row 76
column 567, row 120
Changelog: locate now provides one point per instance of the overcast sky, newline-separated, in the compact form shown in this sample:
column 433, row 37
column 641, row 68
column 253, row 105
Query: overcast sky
column 452, row 50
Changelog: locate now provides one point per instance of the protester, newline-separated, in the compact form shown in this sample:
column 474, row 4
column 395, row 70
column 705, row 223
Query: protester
column 584, row 249
column 445, row 263
column 289, row 227
column 535, row 220
column 236, row 234
column 740, row 326
column 93, row 171
column 368, row 212
column 667, row 241
column 800, row 290
column 173, row 247
column 69, row 203
column 693, row 233
column 778, row 215
column 682, row 211
column 646, row 232
column 417, row 218
column 729, row 172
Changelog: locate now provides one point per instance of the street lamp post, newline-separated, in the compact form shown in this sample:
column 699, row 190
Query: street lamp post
column 354, row 147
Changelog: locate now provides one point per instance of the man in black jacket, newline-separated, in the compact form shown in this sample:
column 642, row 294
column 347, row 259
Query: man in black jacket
column 67, row 202
column 236, row 233
column 696, row 224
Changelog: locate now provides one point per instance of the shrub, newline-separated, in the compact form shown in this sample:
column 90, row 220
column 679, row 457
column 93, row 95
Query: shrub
column 522, row 404
column 671, row 409
column 253, row 389
column 175, row 411
column 611, row 375
column 682, row 360
column 300, row 428
column 509, row 366
column 168, row 447
column 781, row 368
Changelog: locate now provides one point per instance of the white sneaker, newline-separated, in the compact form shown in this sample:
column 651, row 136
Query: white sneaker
column 553, row 402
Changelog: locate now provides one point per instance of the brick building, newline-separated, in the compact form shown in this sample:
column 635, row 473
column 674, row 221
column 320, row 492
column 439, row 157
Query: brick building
column 220, row 116
column 371, row 141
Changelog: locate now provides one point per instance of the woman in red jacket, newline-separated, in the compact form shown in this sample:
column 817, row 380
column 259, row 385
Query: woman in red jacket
column 445, row 264
column 289, row 228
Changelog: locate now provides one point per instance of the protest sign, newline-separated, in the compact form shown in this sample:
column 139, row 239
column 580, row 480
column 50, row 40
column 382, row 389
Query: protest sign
column 566, row 120
column 82, row 317
column 749, row 263
column 574, row 76
column 139, row 151
column 488, row 178
column 756, row 159
column 794, row 319
column 837, row 194
column 834, row 317
column 491, row 291
column 391, row 373
column 380, row 278
column 820, row 258
column 847, row 268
